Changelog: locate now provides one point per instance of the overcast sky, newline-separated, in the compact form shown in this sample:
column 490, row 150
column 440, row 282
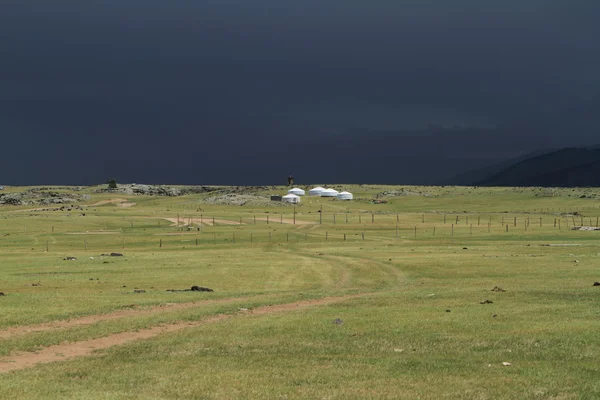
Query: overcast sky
column 156, row 79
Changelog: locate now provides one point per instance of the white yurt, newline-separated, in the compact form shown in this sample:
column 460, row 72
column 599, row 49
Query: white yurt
column 291, row 198
column 316, row 191
column 297, row 192
column 329, row 193
column 345, row 196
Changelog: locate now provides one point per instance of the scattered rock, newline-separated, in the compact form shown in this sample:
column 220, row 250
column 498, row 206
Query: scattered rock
column 116, row 255
column 398, row 350
column 498, row 289
column 192, row 289
column 338, row 321
column 201, row 289
column 596, row 283
column 139, row 291
column 487, row 302
column 36, row 284
column 2, row 294
column 464, row 248
column 448, row 310
column 242, row 309
column 70, row 258
column 506, row 364
column 494, row 316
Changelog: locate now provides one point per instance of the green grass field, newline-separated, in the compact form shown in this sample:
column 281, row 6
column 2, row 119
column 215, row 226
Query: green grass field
column 404, row 280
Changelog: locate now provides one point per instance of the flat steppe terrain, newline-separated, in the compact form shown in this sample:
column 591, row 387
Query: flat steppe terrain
column 425, row 293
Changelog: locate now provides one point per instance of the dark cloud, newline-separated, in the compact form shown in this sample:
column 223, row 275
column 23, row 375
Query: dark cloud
column 77, row 76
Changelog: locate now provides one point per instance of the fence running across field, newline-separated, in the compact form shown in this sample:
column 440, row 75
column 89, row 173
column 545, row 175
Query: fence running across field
column 197, row 230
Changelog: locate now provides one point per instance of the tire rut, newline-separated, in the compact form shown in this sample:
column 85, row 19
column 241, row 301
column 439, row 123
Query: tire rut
column 92, row 319
column 69, row 351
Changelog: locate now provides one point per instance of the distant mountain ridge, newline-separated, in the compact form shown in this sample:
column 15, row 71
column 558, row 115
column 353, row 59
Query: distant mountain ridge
column 568, row 167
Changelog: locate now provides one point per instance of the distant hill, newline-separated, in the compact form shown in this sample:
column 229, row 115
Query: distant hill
column 481, row 174
column 563, row 168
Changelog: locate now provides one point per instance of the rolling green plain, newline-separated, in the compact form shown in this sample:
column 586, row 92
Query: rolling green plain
column 324, row 300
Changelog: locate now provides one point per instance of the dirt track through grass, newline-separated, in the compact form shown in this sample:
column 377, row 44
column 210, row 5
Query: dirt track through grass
column 92, row 319
column 68, row 351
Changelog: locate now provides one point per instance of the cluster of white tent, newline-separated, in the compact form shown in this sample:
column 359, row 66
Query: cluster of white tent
column 294, row 194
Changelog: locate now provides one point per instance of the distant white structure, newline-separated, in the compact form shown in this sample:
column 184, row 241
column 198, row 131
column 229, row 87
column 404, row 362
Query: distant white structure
column 291, row 198
column 345, row 196
column 297, row 192
column 316, row 191
column 329, row 193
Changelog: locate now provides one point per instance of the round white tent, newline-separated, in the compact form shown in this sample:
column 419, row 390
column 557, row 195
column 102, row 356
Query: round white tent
column 297, row 192
column 316, row 191
column 291, row 198
column 345, row 196
column 329, row 193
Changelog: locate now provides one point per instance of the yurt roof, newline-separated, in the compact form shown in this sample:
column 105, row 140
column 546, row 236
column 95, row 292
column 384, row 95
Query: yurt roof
column 290, row 196
column 344, row 192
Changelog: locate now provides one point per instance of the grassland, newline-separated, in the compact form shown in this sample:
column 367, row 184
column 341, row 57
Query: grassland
column 404, row 280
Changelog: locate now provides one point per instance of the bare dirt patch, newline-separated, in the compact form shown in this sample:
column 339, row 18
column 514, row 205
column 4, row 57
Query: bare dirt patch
column 118, row 201
column 94, row 233
column 276, row 220
column 204, row 221
column 69, row 351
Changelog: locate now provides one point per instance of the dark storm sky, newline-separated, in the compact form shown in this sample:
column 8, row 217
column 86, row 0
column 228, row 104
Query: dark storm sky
column 222, row 91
